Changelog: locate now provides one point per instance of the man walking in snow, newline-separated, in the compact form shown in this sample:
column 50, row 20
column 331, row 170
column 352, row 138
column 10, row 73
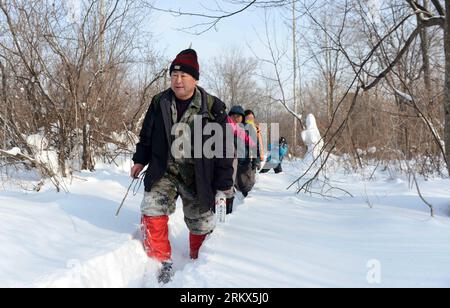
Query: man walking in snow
column 196, row 180
column 236, row 118
column 276, row 157
column 250, row 162
column 250, row 119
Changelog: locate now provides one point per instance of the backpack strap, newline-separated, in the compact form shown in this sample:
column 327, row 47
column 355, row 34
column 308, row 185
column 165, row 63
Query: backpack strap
column 212, row 108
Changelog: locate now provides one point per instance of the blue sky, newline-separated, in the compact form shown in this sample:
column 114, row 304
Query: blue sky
column 236, row 31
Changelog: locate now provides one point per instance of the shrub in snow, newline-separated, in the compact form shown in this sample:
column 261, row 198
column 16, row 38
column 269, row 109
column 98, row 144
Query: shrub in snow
column 40, row 146
column 372, row 150
column 404, row 96
column 111, row 147
column 49, row 158
column 125, row 138
column 14, row 151
column 43, row 161
column 361, row 152
column 37, row 142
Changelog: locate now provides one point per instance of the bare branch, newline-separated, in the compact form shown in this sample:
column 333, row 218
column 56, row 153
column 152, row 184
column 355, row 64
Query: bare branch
column 215, row 19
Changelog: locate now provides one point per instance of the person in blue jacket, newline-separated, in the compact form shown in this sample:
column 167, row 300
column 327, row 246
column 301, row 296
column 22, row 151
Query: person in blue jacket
column 272, row 162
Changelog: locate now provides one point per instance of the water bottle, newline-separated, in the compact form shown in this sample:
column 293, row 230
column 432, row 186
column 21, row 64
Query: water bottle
column 221, row 207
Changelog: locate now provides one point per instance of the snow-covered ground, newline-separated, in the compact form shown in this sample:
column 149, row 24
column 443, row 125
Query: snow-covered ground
column 384, row 237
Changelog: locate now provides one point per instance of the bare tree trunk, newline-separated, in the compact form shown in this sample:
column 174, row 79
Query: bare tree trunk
column 101, row 11
column 62, row 148
column 330, row 95
column 447, row 83
column 426, row 65
column 294, row 60
column 424, row 38
column 4, row 101
column 88, row 163
column 87, row 157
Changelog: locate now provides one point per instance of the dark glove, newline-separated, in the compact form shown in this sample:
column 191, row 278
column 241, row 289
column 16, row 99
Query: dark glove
column 256, row 164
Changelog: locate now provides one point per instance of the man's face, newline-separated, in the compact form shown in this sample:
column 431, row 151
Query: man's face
column 237, row 118
column 183, row 85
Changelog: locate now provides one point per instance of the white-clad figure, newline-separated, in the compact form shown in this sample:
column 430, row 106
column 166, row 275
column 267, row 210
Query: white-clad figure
column 312, row 139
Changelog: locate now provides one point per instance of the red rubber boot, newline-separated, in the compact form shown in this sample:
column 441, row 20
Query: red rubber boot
column 196, row 241
column 156, row 237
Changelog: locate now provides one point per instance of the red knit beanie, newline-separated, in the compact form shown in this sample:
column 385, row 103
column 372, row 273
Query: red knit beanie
column 186, row 62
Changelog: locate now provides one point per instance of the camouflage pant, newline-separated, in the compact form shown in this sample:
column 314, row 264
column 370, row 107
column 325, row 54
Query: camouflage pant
column 161, row 201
